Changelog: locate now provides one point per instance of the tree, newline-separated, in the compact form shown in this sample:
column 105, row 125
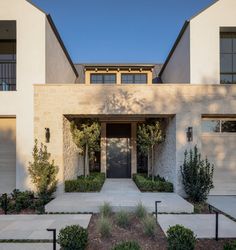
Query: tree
column 148, row 136
column 197, row 175
column 43, row 172
column 86, row 137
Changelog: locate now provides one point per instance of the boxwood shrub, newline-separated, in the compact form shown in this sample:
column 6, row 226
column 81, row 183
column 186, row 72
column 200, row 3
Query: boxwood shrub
column 180, row 238
column 92, row 183
column 127, row 245
column 73, row 238
column 145, row 184
column 230, row 246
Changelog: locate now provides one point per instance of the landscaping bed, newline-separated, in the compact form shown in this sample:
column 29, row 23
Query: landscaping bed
column 135, row 233
column 92, row 183
column 146, row 184
column 21, row 203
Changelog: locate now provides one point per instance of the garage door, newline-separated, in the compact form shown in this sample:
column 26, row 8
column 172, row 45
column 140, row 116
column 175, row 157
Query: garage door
column 7, row 154
column 219, row 145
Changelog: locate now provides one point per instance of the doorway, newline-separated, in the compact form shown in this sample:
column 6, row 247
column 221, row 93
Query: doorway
column 118, row 150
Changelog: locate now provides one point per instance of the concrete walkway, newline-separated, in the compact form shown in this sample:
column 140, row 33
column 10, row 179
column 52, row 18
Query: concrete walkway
column 226, row 204
column 121, row 194
column 203, row 225
column 27, row 246
column 33, row 227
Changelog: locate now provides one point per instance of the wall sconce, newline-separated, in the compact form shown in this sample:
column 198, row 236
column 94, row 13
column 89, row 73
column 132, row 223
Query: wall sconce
column 47, row 135
column 189, row 134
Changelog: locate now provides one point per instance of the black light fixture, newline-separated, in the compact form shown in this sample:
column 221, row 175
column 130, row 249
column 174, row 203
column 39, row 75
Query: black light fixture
column 189, row 134
column 47, row 135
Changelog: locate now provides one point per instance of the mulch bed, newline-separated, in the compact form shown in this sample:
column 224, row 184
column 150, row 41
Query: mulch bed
column 23, row 211
column 135, row 232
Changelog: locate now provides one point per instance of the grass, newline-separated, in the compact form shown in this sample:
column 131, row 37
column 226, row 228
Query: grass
column 104, row 227
column 140, row 211
column 105, row 209
column 123, row 219
column 149, row 225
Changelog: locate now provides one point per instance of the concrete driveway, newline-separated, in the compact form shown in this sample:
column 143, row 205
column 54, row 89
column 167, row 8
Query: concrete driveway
column 226, row 204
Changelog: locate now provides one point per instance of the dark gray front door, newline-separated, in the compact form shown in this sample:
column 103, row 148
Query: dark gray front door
column 118, row 151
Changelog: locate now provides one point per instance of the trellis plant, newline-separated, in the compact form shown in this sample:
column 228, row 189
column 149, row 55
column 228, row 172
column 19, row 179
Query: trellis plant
column 149, row 135
column 86, row 137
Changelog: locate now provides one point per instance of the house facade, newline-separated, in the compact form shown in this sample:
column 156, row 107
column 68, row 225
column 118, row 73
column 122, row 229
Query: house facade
column 194, row 91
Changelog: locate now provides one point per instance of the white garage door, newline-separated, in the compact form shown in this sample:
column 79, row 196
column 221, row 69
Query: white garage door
column 7, row 154
column 219, row 145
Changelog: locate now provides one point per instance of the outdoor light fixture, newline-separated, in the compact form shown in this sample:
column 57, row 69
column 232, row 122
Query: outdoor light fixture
column 47, row 135
column 189, row 134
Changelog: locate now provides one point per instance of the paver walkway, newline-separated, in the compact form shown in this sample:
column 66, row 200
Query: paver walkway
column 33, row 227
column 121, row 194
column 226, row 204
column 203, row 225
column 27, row 246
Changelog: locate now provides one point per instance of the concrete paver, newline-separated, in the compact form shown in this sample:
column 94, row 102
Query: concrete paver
column 203, row 225
column 226, row 204
column 34, row 227
column 121, row 194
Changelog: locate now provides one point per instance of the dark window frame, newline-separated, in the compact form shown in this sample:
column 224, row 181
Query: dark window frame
column 103, row 78
column 8, row 67
column 232, row 74
column 221, row 128
column 134, row 81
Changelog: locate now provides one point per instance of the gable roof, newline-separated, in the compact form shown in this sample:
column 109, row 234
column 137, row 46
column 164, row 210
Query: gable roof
column 181, row 33
column 56, row 33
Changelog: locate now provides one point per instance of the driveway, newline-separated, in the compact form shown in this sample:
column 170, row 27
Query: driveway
column 226, row 204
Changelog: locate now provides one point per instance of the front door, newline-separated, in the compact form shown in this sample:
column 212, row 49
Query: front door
column 118, row 151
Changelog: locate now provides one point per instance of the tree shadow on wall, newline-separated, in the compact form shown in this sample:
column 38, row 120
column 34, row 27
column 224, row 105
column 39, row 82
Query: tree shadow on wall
column 123, row 102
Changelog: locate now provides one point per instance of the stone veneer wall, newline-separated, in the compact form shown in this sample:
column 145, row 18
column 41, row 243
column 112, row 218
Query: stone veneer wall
column 71, row 157
column 165, row 154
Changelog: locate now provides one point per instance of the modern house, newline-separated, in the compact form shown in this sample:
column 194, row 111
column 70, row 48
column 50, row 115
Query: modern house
column 193, row 92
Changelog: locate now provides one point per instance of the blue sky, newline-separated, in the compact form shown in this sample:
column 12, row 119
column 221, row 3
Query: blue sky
column 116, row 31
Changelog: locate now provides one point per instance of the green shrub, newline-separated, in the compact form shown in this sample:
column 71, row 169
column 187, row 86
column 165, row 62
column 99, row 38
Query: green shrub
column 149, row 225
column 4, row 203
column 146, row 184
column 104, row 227
column 140, row 211
column 22, row 200
column 92, row 183
column 127, row 245
column 180, row 238
column 197, row 175
column 73, row 238
column 123, row 219
column 43, row 172
column 105, row 209
column 230, row 246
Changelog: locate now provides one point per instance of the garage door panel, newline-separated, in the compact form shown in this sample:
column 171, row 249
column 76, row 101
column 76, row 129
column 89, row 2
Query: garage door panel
column 7, row 154
column 220, row 150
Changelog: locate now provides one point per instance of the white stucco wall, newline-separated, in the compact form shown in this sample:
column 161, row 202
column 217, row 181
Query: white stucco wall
column 30, row 25
column 178, row 68
column 205, row 41
column 58, row 68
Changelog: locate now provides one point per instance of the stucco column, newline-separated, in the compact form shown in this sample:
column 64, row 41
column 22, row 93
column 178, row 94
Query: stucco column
column 103, row 147
column 133, row 148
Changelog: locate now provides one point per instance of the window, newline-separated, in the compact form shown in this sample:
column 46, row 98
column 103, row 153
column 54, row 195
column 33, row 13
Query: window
column 103, row 78
column 218, row 126
column 134, row 78
column 8, row 56
column 228, row 57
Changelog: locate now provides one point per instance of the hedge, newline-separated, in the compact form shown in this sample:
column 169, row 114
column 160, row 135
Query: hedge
column 92, row 183
column 145, row 184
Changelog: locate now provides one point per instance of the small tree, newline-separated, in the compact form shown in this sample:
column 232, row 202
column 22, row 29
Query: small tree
column 86, row 137
column 148, row 136
column 197, row 175
column 43, row 172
